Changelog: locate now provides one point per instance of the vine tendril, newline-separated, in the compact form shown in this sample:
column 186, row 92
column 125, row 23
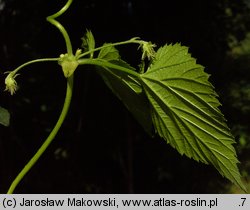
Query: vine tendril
column 58, row 25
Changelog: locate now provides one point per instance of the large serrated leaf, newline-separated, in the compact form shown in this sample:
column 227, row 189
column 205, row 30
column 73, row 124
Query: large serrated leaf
column 185, row 110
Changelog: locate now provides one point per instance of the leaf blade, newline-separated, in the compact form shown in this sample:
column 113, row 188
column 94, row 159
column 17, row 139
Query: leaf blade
column 185, row 110
column 109, row 53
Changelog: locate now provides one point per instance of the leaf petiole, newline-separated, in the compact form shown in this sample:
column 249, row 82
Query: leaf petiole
column 105, row 63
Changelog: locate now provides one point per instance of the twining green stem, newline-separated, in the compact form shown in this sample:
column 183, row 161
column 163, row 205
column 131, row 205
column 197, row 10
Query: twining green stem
column 104, row 63
column 49, row 139
column 54, row 22
column 67, row 101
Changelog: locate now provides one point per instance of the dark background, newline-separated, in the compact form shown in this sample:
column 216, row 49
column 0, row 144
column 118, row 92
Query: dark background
column 100, row 147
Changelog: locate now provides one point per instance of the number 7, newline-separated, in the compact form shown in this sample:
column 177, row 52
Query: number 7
column 243, row 201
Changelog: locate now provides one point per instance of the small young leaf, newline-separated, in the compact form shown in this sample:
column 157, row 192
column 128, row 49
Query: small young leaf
column 109, row 53
column 4, row 116
column 185, row 110
column 88, row 42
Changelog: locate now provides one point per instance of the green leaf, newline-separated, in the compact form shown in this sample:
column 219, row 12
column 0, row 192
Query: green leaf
column 109, row 52
column 185, row 110
column 129, row 91
column 4, row 116
column 88, row 42
column 126, row 87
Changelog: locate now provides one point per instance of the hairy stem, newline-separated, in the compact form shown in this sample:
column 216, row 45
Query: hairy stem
column 49, row 139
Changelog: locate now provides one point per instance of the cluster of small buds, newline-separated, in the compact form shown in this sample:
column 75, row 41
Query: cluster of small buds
column 147, row 50
column 11, row 84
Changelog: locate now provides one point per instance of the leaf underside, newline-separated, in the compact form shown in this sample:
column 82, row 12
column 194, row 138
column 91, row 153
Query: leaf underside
column 126, row 87
column 184, row 108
